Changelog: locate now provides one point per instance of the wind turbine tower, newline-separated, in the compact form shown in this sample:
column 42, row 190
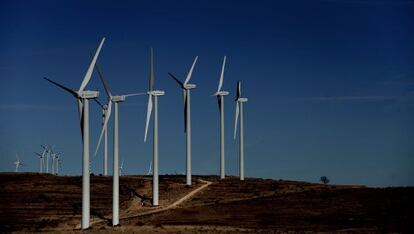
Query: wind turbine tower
column 113, row 99
column 153, row 94
column 186, row 87
column 239, row 111
column 82, row 96
column 220, row 100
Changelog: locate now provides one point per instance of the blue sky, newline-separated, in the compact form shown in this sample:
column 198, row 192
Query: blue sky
column 330, row 84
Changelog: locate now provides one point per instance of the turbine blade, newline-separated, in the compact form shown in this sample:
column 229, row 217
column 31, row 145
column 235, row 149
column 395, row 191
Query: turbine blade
column 177, row 80
column 104, row 82
column 88, row 74
column 190, row 72
column 74, row 93
column 134, row 94
column 104, row 126
column 149, row 110
column 222, row 75
column 151, row 80
column 99, row 103
column 238, row 94
column 185, row 110
column 236, row 120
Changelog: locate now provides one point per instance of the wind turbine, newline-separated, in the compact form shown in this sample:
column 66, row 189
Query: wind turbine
column 121, row 168
column 220, row 99
column 18, row 163
column 42, row 160
column 153, row 93
column 47, row 154
column 115, row 100
column 104, row 108
column 239, row 111
column 186, row 87
column 150, row 168
column 82, row 96
column 60, row 164
column 55, row 160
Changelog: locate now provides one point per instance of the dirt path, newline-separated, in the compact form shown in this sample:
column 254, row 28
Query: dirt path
column 161, row 209
column 176, row 203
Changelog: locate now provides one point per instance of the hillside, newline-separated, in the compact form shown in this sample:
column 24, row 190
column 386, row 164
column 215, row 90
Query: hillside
column 38, row 202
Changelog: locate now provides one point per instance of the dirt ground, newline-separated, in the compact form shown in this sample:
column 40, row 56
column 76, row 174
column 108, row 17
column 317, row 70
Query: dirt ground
column 38, row 202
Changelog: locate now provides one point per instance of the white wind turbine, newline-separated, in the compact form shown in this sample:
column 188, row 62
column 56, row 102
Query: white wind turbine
column 59, row 164
column 82, row 96
column 153, row 93
column 150, row 168
column 17, row 163
column 42, row 160
column 55, row 160
column 40, row 157
column 121, row 168
column 186, row 87
column 104, row 108
column 239, row 111
column 47, row 154
column 115, row 100
column 220, row 99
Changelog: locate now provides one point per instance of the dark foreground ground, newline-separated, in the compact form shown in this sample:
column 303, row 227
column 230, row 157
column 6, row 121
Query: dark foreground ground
column 34, row 202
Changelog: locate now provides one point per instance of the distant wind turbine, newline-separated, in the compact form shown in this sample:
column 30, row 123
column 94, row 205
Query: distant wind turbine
column 82, row 96
column 239, row 111
column 186, row 87
column 150, row 168
column 17, row 163
column 47, row 154
column 220, row 99
column 41, row 160
column 113, row 99
column 121, row 168
column 153, row 94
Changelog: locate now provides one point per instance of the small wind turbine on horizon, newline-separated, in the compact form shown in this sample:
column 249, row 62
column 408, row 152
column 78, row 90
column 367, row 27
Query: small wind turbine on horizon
column 220, row 100
column 41, row 160
column 239, row 111
column 82, row 96
column 121, row 168
column 113, row 99
column 150, row 168
column 153, row 94
column 17, row 163
column 186, row 87
column 47, row 154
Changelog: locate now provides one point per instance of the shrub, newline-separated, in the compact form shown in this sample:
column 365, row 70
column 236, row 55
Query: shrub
column 324, row 179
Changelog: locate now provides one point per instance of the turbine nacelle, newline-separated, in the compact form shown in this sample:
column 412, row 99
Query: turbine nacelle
column 156, row 93
column 118, row 98
column 190, row 86
column 222, row 93
column 242, row 100
column 87, row 94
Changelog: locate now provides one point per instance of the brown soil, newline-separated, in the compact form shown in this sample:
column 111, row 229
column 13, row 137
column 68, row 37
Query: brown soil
column 35, row 202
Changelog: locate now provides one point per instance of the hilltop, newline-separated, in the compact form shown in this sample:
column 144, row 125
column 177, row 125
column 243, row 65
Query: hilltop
column 40, row 202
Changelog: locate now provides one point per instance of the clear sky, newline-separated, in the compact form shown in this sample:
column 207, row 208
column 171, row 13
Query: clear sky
column 330, row 84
